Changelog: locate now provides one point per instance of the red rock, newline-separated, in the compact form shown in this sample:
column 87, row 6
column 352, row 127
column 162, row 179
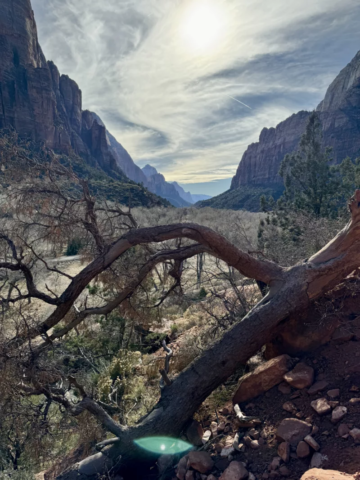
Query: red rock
column 293, row 430
column 302, row 450
column 200, row 461
column 321, row 406
column 263, row 378
column 318, row 387
column 312, row 442
column 300, row 377
column 284, row 451
column 235, row 471
column 338, row 414
column 335, row 393
column 343, row 430
column 319, row 474
column 355, row 433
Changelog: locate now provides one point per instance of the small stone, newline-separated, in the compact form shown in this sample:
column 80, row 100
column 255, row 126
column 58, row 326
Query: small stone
column 212, row 477
column 213, row 428
column 206, row 437
column 315, row 430
column 182, row 467
column 284, row 471
column 321, row 406
column 354, row 401
column 221, row 427
column 240, row 447
column 254, row 444
column 235, row 471
column 293, row 430
column 300, row 377
column 225, row 452
column 355, row 433
column 354, row 388
column 251, row 476
column 275, row 463
column 229, row 441
column 299, row 415
column 218, row 447
column 289, row 407
column 190, row 475
column 302, row 450
column 318, row 387
column 284, row 451
column 254, row 434
column 225, row 411
column 317, row 460
column 312, row 442
column 333, row 403
column 284, row 388
column 343, row 430
column 338, row 414
column 200, row 461
column 247, row 441
column 335, row 393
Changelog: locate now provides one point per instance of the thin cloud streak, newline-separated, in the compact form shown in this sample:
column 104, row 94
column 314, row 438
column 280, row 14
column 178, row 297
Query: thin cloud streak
column 173, row 107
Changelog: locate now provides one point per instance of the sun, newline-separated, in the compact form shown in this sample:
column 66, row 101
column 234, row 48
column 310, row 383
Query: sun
column 202, row 26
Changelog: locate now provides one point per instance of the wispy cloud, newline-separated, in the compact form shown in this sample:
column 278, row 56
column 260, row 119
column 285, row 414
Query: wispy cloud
column 174, row 107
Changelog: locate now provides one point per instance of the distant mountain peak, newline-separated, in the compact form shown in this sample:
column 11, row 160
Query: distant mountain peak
column 149, row 170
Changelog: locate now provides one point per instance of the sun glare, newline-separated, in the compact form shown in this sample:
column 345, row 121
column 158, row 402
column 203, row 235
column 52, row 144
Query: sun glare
column 202, row 26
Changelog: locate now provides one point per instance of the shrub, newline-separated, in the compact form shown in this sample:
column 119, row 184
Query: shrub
column 74, row 247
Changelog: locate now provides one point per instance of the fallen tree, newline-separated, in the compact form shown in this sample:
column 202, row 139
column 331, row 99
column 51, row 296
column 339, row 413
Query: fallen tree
column 290, row 290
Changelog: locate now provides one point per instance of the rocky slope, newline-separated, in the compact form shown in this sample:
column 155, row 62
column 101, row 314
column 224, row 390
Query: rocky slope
column 157, row 184
column 340, row 116
column 46, row 107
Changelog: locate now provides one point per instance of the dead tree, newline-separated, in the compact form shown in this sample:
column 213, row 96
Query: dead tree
column 290, row 290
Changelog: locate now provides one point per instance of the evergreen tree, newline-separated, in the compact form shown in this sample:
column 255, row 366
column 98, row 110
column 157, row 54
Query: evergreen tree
column 311, row 183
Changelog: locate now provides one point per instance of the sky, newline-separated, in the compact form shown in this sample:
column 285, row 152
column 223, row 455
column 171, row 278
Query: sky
column 187, row 85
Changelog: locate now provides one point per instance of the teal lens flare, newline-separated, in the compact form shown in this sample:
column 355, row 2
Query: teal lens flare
column 163, row 445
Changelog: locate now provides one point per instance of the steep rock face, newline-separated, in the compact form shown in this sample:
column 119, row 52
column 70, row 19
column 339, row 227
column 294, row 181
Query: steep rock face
column 184, row 195
column 340, row 116
column 261, row 161
column 156, row 183
column 37, row 101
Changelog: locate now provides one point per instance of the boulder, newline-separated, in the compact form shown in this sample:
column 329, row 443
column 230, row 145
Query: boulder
column 319, row 474
column 200, row 461
column 235, row 471
column 300, row 377
column 263, row 378
column 293, row 430
column 321, row 406
column 343, row 430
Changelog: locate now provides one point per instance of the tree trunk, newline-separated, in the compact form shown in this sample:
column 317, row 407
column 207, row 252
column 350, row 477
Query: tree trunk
column 289, row 292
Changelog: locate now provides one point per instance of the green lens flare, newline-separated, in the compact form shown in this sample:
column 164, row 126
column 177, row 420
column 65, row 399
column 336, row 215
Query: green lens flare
column 164, row 445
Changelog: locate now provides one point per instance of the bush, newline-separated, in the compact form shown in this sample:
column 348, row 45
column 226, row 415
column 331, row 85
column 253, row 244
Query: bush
column 202, row 293
column 74, row 247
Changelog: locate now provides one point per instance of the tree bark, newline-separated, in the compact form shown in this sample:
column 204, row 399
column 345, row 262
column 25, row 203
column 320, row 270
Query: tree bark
column 290, row 290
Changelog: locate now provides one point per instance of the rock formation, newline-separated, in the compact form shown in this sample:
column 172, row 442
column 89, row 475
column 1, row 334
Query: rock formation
column 340, row 116
column 157, row 184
